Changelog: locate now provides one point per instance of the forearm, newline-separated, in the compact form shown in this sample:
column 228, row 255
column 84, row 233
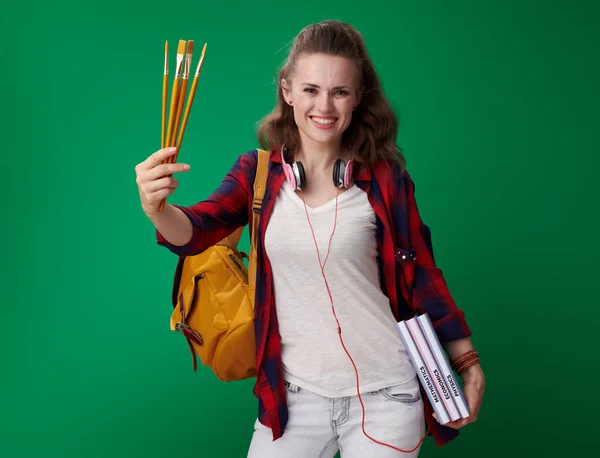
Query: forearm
column 173, row 225
column 455, row 348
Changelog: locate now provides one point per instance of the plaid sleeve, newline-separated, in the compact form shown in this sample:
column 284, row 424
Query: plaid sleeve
column 222, row 212
column 430, row 290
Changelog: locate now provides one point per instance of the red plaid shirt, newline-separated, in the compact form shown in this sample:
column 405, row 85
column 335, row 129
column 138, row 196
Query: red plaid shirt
column 409, row 276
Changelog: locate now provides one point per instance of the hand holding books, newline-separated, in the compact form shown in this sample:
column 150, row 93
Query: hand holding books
column 473, row 389
column 453, row 406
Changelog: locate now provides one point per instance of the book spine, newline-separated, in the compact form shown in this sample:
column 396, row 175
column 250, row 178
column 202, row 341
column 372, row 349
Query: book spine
column 444, row 364
column 432, row 366
column 435, row 349
column 423, row 373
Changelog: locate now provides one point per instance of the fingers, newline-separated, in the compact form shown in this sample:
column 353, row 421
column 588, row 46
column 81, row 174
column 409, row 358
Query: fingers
column 155, row 197
column 473, row 397
column 153, row 162
column 157, row 157
column 457, row 424
column 164, row 170
column 453, row 424
column 155, row 179
column 149, row 187
column 161, row 183
column 151, row 200
column 148, row 175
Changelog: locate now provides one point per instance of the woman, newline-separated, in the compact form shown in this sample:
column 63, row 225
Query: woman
column 338, row 200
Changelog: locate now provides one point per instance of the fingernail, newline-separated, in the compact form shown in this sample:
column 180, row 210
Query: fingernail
column 172, row 149
column 186, row 167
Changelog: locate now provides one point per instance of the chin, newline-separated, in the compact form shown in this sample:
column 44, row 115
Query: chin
column 324, row 136
column 325, row 139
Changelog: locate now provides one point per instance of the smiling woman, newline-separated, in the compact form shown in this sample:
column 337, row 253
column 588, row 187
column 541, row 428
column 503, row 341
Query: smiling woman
column 331, row 132
column 323, row 92
column 327, row 78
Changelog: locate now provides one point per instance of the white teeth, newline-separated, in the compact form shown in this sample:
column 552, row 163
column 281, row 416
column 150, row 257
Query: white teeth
column 323, row 121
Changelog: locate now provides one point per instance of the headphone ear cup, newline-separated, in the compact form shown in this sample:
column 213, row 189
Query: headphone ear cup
column 289, row 175
column 348, row 173
column 338, row 173
column 301, row 175
column 287, row 168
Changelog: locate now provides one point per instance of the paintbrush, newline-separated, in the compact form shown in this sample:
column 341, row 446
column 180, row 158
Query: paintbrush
column 164, row 95
column 177, row 98
column 175, row 92
column 174, row 99
column 182, row 92
column 190, row 100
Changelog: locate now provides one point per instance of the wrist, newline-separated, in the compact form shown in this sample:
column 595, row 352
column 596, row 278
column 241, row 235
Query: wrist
column 154, row 215
column 473, row 376
column 464, row 362
column 471, row 370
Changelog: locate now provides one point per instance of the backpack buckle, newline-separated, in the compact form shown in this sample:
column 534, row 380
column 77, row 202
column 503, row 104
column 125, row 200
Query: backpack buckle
column 257, row 205
column 189, row 333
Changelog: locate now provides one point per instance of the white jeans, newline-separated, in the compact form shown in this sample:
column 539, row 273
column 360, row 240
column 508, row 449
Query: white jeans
column 319, row 426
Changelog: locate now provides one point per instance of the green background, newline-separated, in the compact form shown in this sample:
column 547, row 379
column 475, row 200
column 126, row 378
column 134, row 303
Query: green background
column 498, row 103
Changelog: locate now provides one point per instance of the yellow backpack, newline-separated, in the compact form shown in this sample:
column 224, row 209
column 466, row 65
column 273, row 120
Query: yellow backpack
column 213, row 298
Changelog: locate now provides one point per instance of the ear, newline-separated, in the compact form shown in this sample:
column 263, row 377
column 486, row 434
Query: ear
column 285, row 89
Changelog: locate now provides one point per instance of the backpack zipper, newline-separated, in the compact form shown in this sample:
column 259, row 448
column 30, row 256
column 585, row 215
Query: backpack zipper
column 232, row 257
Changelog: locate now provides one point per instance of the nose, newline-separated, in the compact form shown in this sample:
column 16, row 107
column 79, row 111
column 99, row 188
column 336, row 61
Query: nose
column 325, row 102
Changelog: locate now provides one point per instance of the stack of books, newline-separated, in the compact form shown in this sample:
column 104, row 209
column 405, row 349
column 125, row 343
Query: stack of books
column 433, row 368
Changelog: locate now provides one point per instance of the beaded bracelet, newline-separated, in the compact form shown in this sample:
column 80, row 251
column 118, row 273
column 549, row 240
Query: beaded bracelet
column 465, row 365
column 464, row 356
column 465, row 361
column 468, row 363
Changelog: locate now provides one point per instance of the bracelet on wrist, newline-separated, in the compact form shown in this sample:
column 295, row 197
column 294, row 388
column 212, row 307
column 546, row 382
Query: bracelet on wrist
column 464, row 361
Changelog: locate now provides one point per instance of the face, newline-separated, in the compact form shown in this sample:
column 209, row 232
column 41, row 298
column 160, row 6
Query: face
column 323, row 93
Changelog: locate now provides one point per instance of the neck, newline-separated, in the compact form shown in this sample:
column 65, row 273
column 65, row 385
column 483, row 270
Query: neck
column 317, row 160
column 318, row 157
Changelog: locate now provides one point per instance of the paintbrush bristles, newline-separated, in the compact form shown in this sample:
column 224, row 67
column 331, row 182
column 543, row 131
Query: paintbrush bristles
column 189, row 103
column 199, row 67
column 166, row 58
column 181, row 47
column 175, row 94
column 188, row 59
column 180, row 55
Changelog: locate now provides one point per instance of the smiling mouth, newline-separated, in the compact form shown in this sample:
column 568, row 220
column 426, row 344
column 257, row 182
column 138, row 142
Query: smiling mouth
column 323, row 123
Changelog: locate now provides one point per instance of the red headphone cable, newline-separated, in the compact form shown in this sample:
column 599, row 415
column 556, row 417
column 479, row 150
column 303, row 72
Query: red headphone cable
column 339, row 328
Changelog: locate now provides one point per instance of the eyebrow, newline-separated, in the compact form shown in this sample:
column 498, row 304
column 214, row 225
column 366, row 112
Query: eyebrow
column 317, row 86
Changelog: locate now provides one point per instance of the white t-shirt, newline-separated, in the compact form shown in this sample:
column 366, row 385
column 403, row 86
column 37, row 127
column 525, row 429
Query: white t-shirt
column 312, row 354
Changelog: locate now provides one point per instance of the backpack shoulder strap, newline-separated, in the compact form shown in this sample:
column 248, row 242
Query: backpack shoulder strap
column 260, row 182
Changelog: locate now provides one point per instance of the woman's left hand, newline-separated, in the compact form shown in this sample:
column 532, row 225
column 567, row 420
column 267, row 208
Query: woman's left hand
column 474, row 386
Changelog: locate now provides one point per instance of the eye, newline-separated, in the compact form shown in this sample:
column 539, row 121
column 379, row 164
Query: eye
column 342, row 92
column 309, row 89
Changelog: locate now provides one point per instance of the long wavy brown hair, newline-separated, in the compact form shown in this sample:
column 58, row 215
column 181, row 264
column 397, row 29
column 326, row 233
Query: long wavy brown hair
column 371, row 135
